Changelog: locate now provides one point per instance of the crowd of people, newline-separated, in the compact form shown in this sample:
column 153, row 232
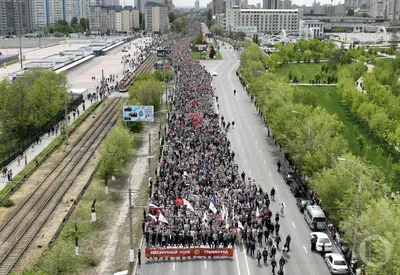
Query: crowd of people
column 200, row 197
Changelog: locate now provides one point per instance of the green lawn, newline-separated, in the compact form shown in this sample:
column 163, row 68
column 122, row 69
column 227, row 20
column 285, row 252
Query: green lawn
column 300, row 70
column 196, row 55
column 329, row 98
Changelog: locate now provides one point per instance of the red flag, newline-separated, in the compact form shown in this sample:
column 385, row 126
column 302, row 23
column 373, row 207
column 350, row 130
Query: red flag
column 179, row 201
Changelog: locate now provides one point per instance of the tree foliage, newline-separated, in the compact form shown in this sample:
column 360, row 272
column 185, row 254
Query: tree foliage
column 114, row 152
column 146, row 90
column 30, row 102
column 217, row 29
column 180, row 25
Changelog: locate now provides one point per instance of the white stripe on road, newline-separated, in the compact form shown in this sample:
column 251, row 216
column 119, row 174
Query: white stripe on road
column 260, row 151
column 305, row 249
column 242, row 150
column 252, row 134
column 247, row 263
column 205, row 264
column 237, row 262
column 265, row 161
column 293, row 225
column 269, row 172
column 276, row 188
column 256, row 141
column 249, row 172
column 239, row 141
column 245, row 160
column 173, row 267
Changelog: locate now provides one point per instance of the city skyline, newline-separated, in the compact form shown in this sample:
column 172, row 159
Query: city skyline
column 203, row 3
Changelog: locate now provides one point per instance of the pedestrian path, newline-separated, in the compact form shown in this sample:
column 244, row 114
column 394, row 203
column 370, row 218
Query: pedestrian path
column 30, row 154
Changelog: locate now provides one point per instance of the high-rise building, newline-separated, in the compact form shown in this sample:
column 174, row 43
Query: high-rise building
column 47, row 12
column 218, row 6
column 113, row 19
column 13, row 16
column 76, row 8
column 258, row 6
column 270, row 4
column 156, row 17
column 197, row 5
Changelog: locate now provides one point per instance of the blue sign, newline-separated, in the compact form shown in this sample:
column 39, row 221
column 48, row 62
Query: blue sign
column 138, row 113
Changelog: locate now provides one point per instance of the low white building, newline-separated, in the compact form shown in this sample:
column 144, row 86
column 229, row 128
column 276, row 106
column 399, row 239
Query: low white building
column 265, row 20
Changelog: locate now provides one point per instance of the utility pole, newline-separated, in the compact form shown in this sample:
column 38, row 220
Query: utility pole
column 131, row 250
column 150, row 169
column 66, row 119
column 358, row 208
column 20, row 33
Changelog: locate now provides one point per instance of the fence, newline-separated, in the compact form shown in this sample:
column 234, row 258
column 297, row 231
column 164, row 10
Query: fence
column 6, row 59
column 11, row 154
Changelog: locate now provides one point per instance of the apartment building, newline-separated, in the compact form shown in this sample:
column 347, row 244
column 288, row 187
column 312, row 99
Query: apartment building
column 113, row 19
column 156, row 17
column 266, row 20
column 13, row 15
column 76, row 8
column 197, row 5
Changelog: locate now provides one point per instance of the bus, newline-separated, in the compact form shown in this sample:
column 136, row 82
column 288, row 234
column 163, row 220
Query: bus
column 126, row 82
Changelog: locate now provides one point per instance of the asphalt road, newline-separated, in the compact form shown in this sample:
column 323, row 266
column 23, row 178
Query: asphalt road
column 257, row 155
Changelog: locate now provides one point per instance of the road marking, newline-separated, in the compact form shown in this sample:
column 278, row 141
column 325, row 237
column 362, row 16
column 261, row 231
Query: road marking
column 305, row 249
column 265, row 162
column 239, row 141
column 247, row 263
column 237, row 262
column 293, row 224
column 205, row 264
column 256, row 141
column 242, row 150
column 276, row 188
column 252, row 134
column 173, row 267
column 260, row 151
column 245, row 160
column 249, row 172
column 270, row 173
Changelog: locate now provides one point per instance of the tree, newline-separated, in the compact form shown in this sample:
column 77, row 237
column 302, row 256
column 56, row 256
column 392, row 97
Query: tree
column 255, row 39
column 199, row 39
column 114, row 153
column 350, row 12
column 60, row 260
column 171, row 17
column 217, row 29
column 62, row 22
column 84, row 23
column 212, row 52
column 146, row 92
column 74, row 21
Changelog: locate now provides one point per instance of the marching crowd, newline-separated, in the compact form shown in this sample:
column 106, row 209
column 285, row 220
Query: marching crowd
column 200, row 197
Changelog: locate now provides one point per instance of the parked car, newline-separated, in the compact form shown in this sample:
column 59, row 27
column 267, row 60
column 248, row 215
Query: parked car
column 302, row 204
column 322, row 238
column 336, row 263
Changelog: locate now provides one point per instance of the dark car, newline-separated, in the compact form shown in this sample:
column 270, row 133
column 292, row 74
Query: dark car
column 288, row 176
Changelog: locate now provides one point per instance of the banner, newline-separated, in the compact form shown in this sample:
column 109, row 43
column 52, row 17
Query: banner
column 188, row 252
column 138, row 113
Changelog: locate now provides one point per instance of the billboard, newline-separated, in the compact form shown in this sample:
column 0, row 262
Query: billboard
column 188, row 252
column 164, row 53
column 138, row 113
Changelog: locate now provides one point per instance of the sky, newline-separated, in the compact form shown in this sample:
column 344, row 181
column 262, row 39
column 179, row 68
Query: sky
column 203, row 3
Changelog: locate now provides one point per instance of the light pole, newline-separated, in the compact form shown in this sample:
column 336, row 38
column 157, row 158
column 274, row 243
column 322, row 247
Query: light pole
column 308, row 129
column 20, row 33
column 66, row 119
column 358, row 199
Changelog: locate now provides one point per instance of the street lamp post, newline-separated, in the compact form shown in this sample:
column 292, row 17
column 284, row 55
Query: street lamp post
column 308, row 129
column 20, row 33
column 358, row 199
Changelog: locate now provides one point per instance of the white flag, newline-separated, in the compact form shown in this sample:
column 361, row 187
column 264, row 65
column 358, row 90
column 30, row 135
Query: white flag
column 233, row 213
column 257, row 212
column 204, row 217
column 223, row 212
column 212, row 207
column 188, row 205
column 240, row 225
column 161, row 218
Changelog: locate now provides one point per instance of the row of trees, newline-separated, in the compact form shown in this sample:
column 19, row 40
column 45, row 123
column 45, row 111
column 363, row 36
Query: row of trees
column 29, row 103
column 314, row 139
column 62, row 26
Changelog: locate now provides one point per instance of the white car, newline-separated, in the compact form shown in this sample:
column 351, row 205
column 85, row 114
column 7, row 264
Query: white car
column 214, row 73
column 336, row 263
column 322, row 238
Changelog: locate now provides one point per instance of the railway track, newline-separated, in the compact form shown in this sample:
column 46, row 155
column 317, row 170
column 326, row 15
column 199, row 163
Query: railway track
column 22, row 226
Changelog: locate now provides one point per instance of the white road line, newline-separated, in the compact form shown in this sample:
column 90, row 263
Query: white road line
column 239, row 141
column 305, row 249
column 242, row 150
column 205, row 264
column 260, row 151
column 247, row 263
column 245, row 160
column 173, row 267
column 249, row 172
column 237, row 262
column 252, row 134
column 265, row 161
column 270, row 173
column 256, row 141
column 276, row 188
column 293, row 224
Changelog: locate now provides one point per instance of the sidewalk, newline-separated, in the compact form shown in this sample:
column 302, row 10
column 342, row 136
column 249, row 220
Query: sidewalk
column 34, row 151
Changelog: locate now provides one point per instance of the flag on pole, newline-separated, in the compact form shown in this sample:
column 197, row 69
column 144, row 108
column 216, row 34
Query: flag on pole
column 214, row 199
column 233, row 213
column 161, row 218
column 152, row 217
column 212, row 207
column 204, row 217
column 152, row 206
column 188, row 205
column 223, row 212
column 240, row 225
column 257, row 212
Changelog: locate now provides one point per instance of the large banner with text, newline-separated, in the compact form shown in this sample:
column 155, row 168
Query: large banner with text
column 188, row 252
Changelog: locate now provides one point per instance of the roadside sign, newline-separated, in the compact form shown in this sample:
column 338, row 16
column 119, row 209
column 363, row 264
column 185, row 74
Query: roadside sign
column 163, row 53
column 138, row 113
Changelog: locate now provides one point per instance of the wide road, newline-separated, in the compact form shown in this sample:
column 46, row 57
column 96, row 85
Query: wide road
column 257, row 155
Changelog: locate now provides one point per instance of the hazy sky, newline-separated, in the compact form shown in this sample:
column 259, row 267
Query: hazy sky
column 203, row 3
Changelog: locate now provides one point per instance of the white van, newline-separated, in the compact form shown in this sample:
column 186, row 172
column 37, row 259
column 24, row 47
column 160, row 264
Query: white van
column 315, row 217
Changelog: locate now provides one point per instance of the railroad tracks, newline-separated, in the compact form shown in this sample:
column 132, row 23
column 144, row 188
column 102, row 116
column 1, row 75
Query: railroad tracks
column 25, row 222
